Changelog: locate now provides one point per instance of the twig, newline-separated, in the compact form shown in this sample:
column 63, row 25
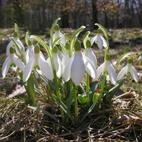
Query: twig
column 124, row 94
column 135, row 134
column 7, row 136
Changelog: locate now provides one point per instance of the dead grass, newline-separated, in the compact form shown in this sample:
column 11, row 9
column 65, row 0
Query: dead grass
column 120, row 121
column 126, row 33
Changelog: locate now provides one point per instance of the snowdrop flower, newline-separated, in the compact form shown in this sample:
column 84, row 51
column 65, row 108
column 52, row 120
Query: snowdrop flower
column 107, row 67
column 61, row 38
column 66, row 66
column 73, row 67
column 90, row 62
column 129, row 68
column 77, row 68
column 37, row 59
column 29, row 53
column 99, row 40
column 18, row 49
column 57, row 62
column 140, row 58
column 11, row 59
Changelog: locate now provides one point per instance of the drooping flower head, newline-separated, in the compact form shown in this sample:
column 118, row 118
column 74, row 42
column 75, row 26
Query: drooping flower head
column 12, row 58
column 99, row 40
column 90, row 62
column 129, row 68
column 37, row 59
column 108, row 68
column 16, row 44
column 57, row 63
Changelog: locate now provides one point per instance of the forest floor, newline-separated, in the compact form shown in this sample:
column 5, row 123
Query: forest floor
column 120, row 122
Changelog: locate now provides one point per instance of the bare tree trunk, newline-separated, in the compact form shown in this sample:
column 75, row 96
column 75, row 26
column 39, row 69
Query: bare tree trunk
column 106, row 19
column 0, row 12
column 117, row 23
column 18, row 12
column 43, row 18
column 139, row 10
column 94, row 13
column 74, row 19
column 65, row 17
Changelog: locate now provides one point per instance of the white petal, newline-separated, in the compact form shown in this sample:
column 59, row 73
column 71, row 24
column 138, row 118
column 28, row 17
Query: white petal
column 89, row 67
column 93, row 39
column 45, row 67
column 6, row 66
column 78, row 68
column 18, row 41
column 18, row 62
column 134, row 73
column 122, row 73
column 50, row 43
column 112, row 73
column 90, row 54
column 28, row 69
column 104, row 41
column 57, row 65
column 66, row 66
column 51, row 69
column 62, row 39
column 98, row 41
column 140, row 58
column 100, row 70
column 29, row 53
column 27, row 56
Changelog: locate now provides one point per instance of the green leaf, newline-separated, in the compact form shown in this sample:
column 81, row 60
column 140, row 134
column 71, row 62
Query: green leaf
column 126, row 56
column 74, row 37
column 31, row 94
column 27, row 39
column 113, row 90
column 42, row 43
column 86, row 40
column 16, row 30
column 77, row 44
column 17, row 44
column 88, row 112
column 104, row 30
column 96, row 98
column 79, row 30
column 65, row 110
column 55, row 41
column 83, row 99
column 55, row 26
column 19, row 49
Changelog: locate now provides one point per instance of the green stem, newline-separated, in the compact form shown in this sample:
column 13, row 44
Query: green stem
column 88, row 88
column 106, row 54
column 31, row 94
column 88, row 83
column 76, row 102
column 103, row 83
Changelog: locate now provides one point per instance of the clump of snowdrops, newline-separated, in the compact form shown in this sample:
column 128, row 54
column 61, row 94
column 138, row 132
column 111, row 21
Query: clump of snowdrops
column 67, row 65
